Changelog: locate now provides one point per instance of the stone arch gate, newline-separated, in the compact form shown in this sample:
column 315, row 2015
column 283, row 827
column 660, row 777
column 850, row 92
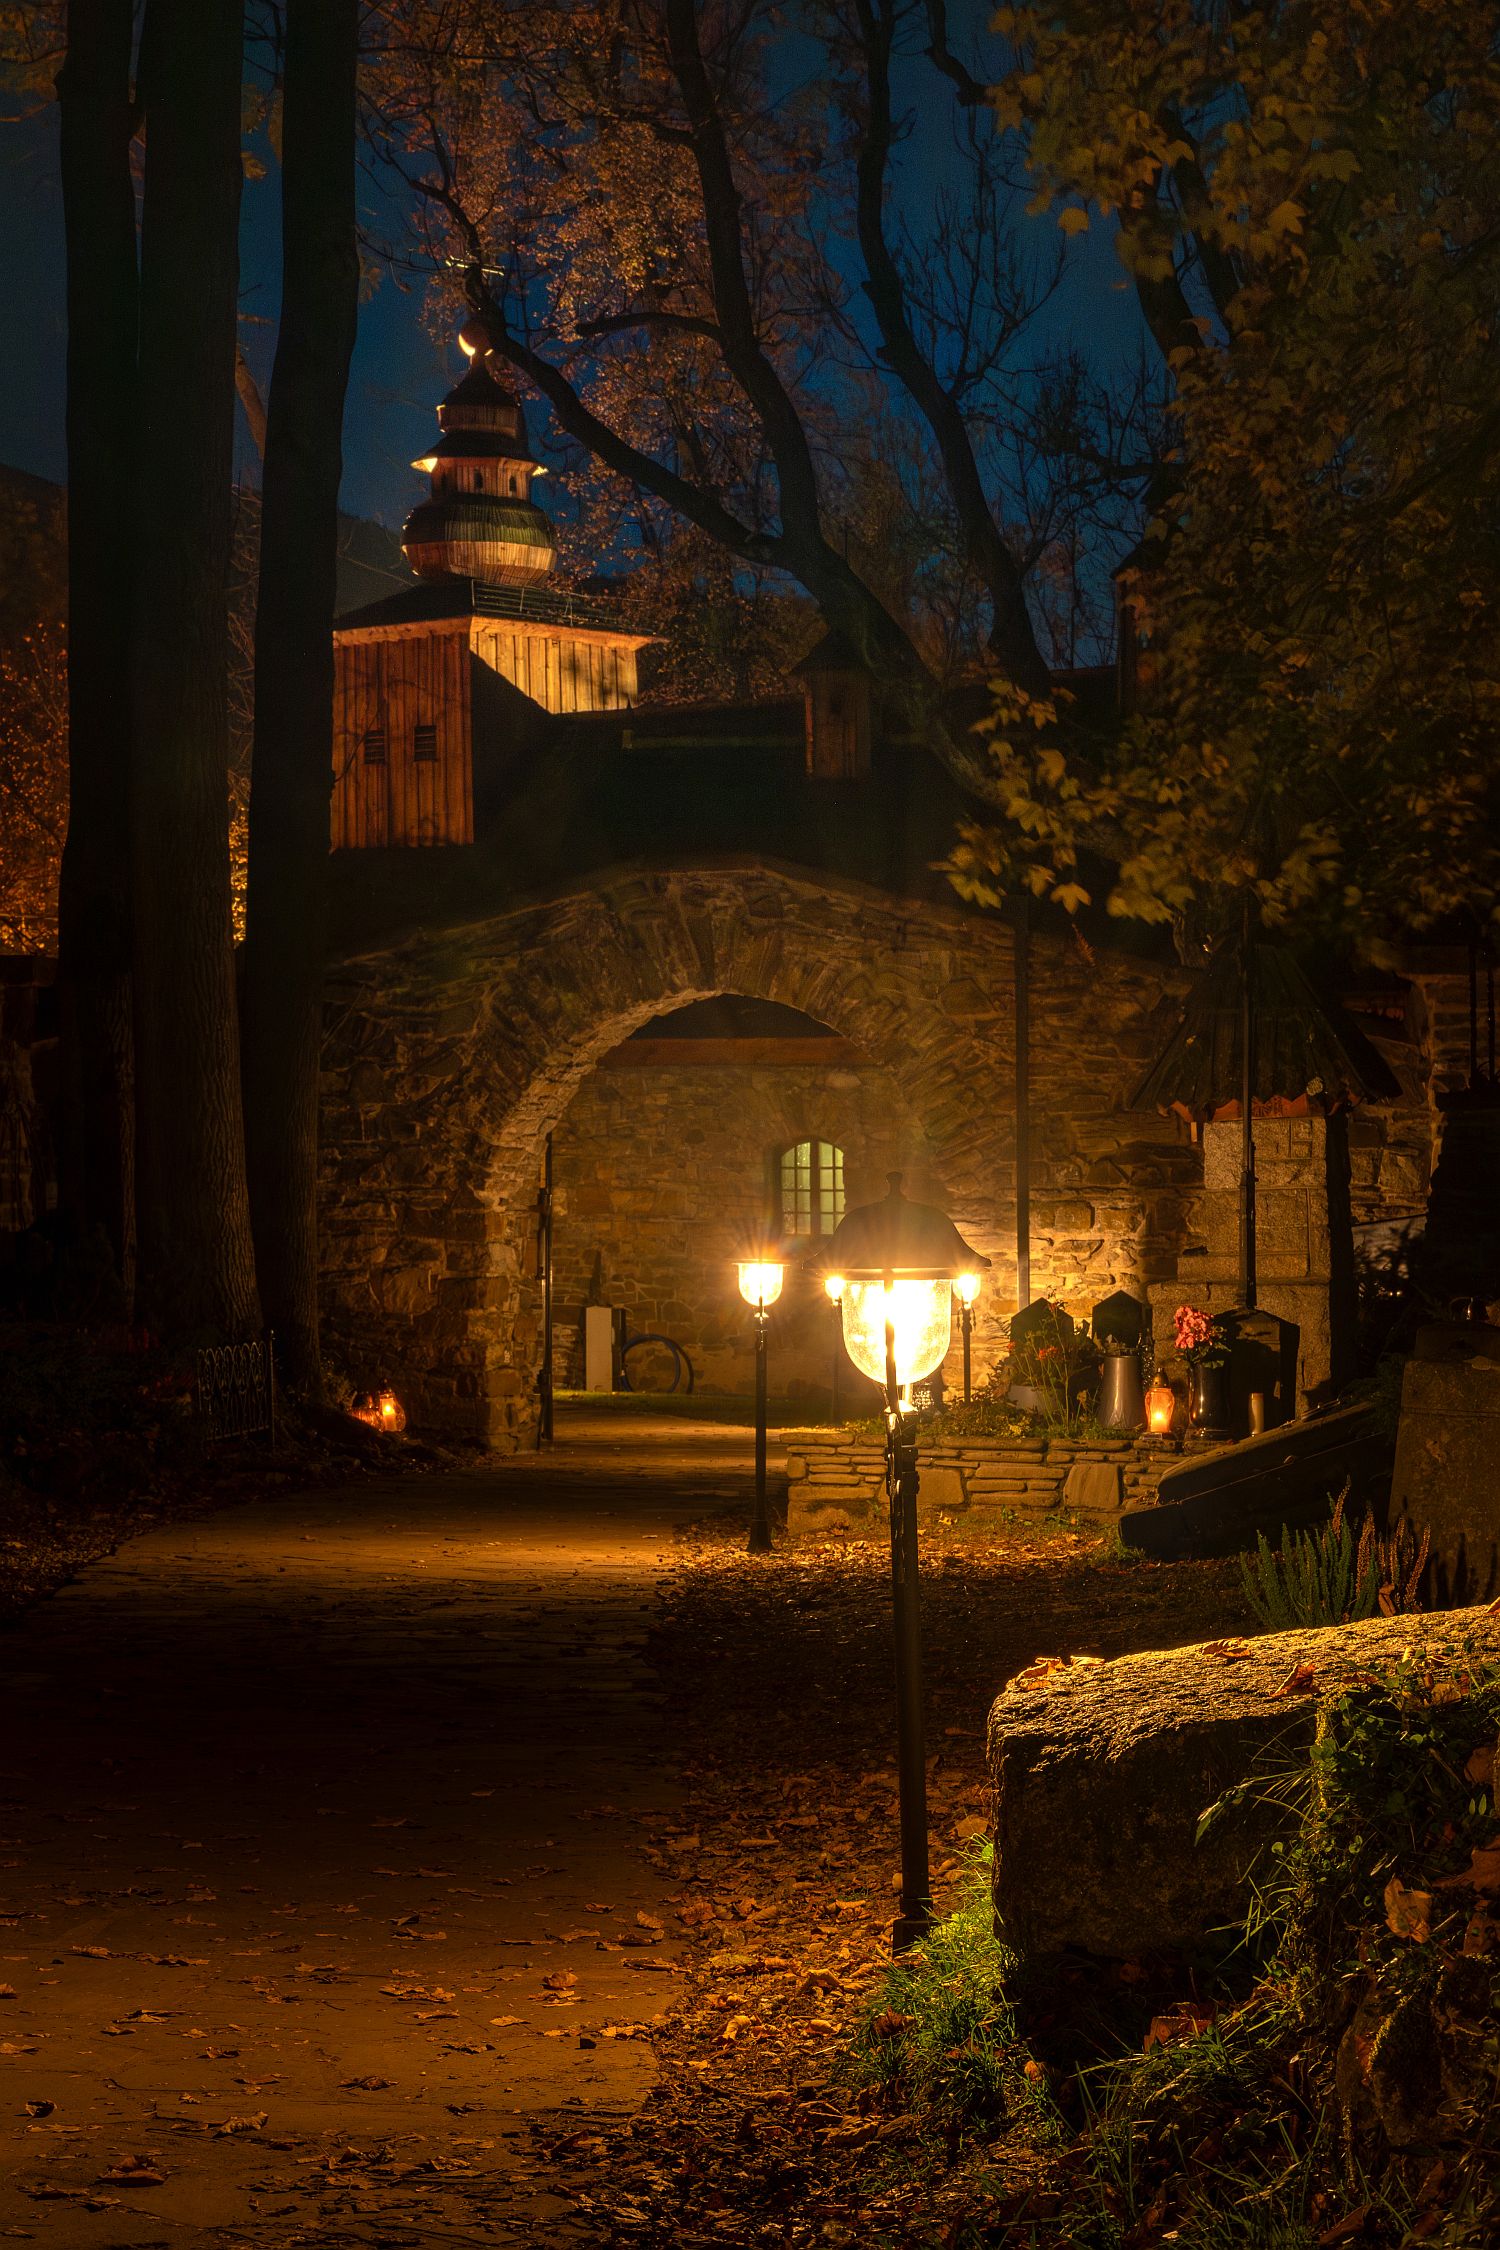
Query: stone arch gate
column 451, row 1053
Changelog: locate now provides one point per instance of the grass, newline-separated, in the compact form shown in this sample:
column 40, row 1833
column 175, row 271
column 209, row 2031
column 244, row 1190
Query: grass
column 940, row 2030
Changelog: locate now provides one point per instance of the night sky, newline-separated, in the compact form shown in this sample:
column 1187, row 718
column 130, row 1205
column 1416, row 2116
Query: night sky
column 399, row 371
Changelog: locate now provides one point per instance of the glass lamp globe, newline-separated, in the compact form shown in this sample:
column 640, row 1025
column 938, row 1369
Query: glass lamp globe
column 920, row 1317
column 833, row 1286
column 900, row 1263
column 760, row 1281
column 967, row 1286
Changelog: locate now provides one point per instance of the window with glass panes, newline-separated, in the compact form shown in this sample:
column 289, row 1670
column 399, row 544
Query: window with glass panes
column 812, row 1188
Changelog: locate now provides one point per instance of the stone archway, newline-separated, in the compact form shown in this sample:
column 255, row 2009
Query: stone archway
column 451, row 1054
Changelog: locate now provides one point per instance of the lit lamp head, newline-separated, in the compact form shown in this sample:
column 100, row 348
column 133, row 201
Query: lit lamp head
column 760, row 1281
column 833, row 1287
column 900, row 1264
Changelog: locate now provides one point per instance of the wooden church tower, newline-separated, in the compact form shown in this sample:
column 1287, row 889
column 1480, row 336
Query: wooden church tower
column 410, row 671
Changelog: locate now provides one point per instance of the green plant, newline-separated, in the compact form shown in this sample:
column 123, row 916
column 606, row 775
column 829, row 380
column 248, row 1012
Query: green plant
column 938, row 2030
column 1328, row 1577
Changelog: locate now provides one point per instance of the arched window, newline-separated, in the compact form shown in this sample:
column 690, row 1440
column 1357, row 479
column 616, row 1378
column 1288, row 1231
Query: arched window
column 812, row 1187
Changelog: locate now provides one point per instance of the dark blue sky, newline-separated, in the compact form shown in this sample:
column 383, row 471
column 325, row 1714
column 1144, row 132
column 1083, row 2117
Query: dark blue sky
column 399, row 371
column 398, row 375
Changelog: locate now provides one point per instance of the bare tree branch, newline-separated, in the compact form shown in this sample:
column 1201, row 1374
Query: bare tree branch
column 1011, row 637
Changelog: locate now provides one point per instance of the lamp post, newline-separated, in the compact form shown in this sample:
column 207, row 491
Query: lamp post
column 900, row 1264
column 833, row 1286
column 966, row 1289
column 760, row 1286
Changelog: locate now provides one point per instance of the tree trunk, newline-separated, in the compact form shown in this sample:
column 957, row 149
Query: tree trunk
column 292, row 776
column 197, row 1272
column 96, row 1141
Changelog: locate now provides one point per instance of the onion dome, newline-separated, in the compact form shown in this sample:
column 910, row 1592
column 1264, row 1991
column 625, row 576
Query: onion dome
column 481, row 521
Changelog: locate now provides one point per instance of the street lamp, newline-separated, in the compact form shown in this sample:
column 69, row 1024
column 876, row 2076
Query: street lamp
column 900, row 1264
column 833, row 1288
column 760, row 1286
column 966, row 1289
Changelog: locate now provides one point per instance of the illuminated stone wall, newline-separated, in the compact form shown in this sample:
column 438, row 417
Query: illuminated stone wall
column 449, row 1057
column 665, row 1172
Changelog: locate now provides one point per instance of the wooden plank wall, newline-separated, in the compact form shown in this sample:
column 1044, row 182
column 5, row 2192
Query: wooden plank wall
column 401, row 682
column 558, row 670
column 421, row 676
column 838, row 726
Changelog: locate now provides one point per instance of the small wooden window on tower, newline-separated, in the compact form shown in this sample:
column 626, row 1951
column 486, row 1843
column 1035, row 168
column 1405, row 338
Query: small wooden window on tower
column 837, row 706
column 372, row 746
column 424, row 747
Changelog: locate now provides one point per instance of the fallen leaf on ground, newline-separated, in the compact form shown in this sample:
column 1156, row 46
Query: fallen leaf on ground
column 1408, row 1913
column 366, row 2085
column 133, row 2171
column 1482, row 1873
column 889, row 2024
column 1346, row 2229
column 1300, row 1676
column 1184, row 2021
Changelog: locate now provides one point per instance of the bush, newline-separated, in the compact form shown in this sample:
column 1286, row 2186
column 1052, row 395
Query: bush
column 1327, row 1577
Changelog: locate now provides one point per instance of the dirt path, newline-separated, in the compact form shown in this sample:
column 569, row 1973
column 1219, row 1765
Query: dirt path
column 320, row 1889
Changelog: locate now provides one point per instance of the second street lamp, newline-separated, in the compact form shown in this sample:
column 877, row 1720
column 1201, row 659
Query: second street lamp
column 760, row 1285
column 966, row 1289
column 901, row 1264
column 833, row 1289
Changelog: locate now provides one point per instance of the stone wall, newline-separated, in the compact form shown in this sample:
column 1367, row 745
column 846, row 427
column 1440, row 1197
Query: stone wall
column 449, row 1056
column 835, row 1482
column 663, row 1174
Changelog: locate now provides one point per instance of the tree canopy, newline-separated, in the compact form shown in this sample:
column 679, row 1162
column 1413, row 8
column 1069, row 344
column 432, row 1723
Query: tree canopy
column 1305, row 200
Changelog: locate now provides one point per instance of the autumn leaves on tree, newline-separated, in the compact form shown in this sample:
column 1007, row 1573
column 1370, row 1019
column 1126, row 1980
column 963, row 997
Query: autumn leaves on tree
column 1304, row 200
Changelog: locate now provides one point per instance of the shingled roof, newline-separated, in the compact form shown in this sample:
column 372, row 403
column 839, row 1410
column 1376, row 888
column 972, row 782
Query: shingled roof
column 1303, row 1045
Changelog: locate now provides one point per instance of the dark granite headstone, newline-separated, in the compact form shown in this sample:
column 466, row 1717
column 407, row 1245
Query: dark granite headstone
column 1122, row 1316
column 1262, row 1357
column 1041, row 1322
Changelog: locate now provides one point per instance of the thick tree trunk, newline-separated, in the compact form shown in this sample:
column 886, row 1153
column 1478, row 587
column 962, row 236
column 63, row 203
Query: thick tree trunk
column 196, row 1266
column 291, row 777
column 96, row 1144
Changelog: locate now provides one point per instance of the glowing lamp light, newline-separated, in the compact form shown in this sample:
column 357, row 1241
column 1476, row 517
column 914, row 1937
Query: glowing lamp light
column 833, row 1287
column 382, row 1410
column 1161, row 1405
column 919, row 1315
column 967, row 1286
column 900, row 1263
column 760, row 1281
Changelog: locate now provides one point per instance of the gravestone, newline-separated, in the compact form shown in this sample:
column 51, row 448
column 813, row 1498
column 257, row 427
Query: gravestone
column 1263, row 1354
column 1041, row 1322
column 1447, row 1475
column 1122, row 1316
